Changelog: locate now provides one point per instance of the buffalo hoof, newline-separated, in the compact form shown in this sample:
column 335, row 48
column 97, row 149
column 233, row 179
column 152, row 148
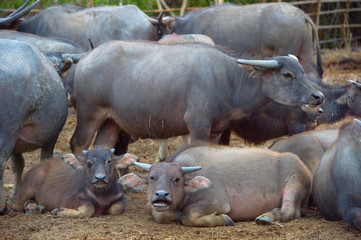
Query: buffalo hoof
column 4, row 210
column 56, row 210
column 229, row 221
column 264, row 220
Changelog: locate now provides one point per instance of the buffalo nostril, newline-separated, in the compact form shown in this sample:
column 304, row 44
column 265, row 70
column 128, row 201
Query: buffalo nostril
column 100, row 177
column 161, row 193
column 318, row 96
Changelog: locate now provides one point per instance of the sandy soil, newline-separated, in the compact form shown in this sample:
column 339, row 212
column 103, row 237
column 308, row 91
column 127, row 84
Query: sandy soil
column 136, row 222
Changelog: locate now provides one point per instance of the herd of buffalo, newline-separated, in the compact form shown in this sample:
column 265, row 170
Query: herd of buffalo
column 221, row 69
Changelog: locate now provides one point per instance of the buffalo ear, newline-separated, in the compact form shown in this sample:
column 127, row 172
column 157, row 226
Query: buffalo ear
column 125, row 160
column 66, row 64
column 132, row 182
column 72, row 160
column 196, row 183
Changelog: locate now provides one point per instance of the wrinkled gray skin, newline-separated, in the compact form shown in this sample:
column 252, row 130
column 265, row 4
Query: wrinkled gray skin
column 186, row 38
column 337, row 183
column 34, row 106
column 44, row 43
column 243, row 184
column 263, row 30
column 177, row 93
column 309, row 146
column 99, row 24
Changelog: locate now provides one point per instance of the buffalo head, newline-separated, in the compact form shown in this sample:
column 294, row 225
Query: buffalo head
column 100, row 165
column 167, row 183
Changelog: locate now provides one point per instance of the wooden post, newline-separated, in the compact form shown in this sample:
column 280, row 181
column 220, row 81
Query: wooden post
column 90, row 3
column 183, row 8
column 345, row 30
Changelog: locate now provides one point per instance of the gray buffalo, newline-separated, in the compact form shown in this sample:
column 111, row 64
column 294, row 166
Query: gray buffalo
column 198, row 89
column 309, row 146
column 337, row 184
column 98, row 23
column 264, row 30
column 75, row 186
column 34, row 106
column 230, row 185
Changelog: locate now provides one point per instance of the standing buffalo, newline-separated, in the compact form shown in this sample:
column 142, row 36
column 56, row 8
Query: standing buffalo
column 263, row 30
column 80, row 187
column 337, row 182
column 198, row 89
column 34, row 106
column 99, row 24
column 232, row 185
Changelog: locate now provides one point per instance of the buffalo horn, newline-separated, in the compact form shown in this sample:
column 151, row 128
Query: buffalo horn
column 355, row 83
column 186, row 170
column 112, row 150
column 293, row 56
column 357, row 121
column 18, row 13
column 143, row 166
column 85, row 152
column 260, row 63
column 160, row 19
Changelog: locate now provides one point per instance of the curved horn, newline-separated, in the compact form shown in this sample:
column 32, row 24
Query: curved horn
column 143, row 166
column 357, row 121
column 260, row 63
column 186, row 170
column 355, row 83
column 91, row 44
column 18, row 13
column 160, row 19
column 293, row 56
column 85, row 152
column 112, row 150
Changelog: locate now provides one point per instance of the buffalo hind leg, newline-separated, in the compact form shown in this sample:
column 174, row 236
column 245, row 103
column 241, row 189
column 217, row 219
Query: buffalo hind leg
column 353, row 217
column 17, row 165
column 85, row 210
column 193, row 218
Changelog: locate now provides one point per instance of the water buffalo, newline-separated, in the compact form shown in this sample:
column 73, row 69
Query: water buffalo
column 185, row 38
column 264, row 30
column 231, row 185
column 179, row 93
column 309, row 146
column 34, row 106
column 44, row 43
column 336, row 188
column 98, row 23
column 80, row 186
column 12, row 20
column 340, row 101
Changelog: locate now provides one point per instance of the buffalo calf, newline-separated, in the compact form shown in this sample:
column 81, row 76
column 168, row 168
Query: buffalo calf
column 231, row 185
column 337, row 183
column 76, row 186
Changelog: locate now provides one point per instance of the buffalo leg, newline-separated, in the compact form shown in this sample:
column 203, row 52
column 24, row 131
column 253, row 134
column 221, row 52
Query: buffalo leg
column 88, row 123
column 17, row 165
column 353, row 217
column 85, row 210
column 193, row 218
column 199, row 129
column 48, row 149
column 116, row 208
column 121, row 146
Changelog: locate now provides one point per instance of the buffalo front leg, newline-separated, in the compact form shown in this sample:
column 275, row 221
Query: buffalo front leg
column 116, row 208
column 199, row 128
column 195, row 219
column 17, row 165
column 85, row 210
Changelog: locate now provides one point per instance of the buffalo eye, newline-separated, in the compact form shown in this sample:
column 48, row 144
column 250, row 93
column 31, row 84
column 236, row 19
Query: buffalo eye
column 90, row 163
column 287, row 75
column 109, row 161
column 151, row 178
column 176, row 180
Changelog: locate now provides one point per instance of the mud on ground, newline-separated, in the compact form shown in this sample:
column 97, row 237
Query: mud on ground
column 136, row 223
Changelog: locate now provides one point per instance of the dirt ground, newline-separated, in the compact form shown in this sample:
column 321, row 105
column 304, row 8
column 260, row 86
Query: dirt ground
column 136, row 222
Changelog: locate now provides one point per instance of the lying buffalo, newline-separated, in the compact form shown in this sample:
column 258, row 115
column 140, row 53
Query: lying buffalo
column 34, row 106
column 336, row 186
column 230, row 185
column 98, row 23
column 80, row 186
column 150, row 93
column 263, row 30
column 309, row 146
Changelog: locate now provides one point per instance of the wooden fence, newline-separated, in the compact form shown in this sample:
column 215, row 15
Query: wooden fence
column 342, row 30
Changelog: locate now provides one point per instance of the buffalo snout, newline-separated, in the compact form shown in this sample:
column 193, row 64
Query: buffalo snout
column 319, row 98
column 161, row 200
column 100, row 180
